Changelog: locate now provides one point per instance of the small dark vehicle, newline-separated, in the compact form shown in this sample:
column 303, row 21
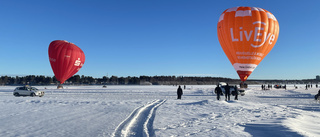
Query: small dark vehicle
column 279, row 86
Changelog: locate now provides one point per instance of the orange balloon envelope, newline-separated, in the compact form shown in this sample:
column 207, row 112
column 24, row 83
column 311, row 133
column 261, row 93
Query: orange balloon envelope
column 65, row 58
column 247, row 35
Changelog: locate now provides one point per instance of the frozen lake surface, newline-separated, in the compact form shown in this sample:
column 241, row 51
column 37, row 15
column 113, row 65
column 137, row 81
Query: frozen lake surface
column 84, row 111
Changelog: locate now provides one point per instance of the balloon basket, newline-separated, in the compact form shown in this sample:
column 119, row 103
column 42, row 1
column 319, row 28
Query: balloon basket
column 243, row 85
column 59, row 86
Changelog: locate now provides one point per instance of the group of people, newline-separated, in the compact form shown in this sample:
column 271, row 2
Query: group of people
column 310, row 86
column 227, row 93
column 218, row 91
column 264, row 87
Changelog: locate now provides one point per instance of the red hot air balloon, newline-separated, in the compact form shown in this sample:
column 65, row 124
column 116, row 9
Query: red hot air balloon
column 66, row 59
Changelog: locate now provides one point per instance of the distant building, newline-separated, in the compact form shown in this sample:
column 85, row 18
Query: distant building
column 317, row 77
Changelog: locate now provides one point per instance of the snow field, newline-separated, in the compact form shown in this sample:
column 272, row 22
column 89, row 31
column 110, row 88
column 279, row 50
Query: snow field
column 140, row 121
column 155, row 111
column 258, row 113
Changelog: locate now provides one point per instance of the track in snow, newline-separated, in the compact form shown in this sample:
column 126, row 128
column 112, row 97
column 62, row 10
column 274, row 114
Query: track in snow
column 140, row 122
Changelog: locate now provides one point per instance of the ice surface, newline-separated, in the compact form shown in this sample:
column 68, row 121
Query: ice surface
column 155, row 111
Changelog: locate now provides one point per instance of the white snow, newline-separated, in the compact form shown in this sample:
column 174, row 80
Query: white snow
column 84, row 111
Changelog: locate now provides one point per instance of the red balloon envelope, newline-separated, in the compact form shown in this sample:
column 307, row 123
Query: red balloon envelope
column 65, row 58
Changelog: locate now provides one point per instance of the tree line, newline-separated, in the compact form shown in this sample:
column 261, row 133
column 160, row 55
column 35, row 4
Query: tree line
column 114, row 80
column 141, row 80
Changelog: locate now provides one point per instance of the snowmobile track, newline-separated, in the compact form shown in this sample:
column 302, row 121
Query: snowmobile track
column 140, row 122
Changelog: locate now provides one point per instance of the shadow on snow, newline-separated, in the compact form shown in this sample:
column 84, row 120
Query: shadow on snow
column 269, row 130
column 196, row 103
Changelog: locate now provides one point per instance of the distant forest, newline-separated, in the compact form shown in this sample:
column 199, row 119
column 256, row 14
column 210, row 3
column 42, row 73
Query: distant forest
column 142, row 80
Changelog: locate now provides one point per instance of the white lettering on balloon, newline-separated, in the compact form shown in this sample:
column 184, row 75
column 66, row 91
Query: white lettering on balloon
column 257, row 37
column 77, row 62
column 52, row 59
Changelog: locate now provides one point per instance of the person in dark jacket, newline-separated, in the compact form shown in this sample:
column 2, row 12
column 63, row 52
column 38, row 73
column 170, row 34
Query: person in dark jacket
column 306, row 86
column 179, row 92
column 218, row 92
column 227, row 90
column 316, row 97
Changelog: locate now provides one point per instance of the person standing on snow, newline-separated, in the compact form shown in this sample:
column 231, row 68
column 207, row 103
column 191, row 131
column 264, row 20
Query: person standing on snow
column 285, row 87
column 306, row 86
column 218, row 92
column 235, row 92
column 227, row 90
column 179, row 92
column 316, row 97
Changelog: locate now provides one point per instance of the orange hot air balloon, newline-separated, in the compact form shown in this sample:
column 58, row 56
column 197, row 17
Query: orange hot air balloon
column 247, row 35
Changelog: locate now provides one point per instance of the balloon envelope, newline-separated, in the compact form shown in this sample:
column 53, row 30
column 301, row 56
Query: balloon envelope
column 65, row 58
column 247, row 35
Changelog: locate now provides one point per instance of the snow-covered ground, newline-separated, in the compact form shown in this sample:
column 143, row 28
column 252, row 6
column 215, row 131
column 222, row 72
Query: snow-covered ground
column 155, row 111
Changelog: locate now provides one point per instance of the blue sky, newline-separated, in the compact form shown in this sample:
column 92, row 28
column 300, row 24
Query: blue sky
column 152, row 37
